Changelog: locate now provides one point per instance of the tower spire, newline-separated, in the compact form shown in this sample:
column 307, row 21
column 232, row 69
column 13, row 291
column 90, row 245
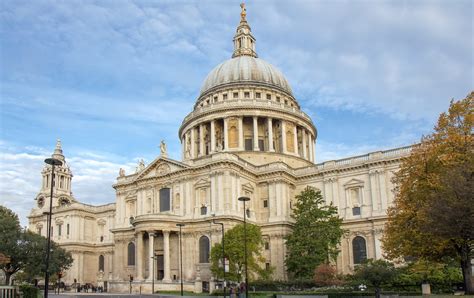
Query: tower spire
column 58, row 151
column 244, row 42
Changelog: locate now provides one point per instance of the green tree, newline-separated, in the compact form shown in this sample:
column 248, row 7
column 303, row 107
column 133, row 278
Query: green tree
column 27, row 250
column 316, row 234
column 433, row 213
column 375, row 273
column 234, row 252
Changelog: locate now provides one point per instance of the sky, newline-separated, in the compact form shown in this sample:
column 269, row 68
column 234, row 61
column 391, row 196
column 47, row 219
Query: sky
column 112, row 78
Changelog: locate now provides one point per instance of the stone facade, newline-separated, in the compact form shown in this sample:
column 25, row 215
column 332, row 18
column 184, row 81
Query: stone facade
column 246, row 136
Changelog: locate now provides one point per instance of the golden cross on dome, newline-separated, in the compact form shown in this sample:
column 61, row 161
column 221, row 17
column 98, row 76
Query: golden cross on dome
column 243, row 13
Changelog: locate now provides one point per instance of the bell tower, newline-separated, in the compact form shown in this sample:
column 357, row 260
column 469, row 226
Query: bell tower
column 62, row 194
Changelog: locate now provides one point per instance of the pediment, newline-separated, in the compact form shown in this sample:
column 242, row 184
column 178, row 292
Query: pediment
column 354, row 183
column 202, row 183
column 161, row 166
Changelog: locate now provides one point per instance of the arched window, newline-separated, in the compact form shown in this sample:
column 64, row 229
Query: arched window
column 131, row 254
column 101, row 263
column 203, row 249
column 359, row 250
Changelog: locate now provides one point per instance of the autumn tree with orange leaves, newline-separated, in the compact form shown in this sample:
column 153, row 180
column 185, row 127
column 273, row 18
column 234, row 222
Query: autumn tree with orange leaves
column 433, row 213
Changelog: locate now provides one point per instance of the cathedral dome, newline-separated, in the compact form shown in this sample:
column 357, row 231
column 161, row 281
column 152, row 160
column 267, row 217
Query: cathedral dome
column 245, row 69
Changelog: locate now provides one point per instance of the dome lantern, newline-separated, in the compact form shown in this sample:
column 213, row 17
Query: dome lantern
column 244, row 42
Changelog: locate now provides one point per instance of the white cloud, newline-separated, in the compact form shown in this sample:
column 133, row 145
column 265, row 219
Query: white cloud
column 20, row 177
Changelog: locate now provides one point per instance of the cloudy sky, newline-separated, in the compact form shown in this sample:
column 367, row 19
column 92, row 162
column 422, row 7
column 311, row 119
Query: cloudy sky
column 113, row 78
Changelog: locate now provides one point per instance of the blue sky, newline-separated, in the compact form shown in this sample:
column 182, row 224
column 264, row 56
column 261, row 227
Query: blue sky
column 113, row 78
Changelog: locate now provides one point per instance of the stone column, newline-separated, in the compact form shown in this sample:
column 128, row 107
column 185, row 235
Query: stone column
column 192, row 143
column 226, row 135
column 166, row 256
column 241, row 134
column 255, row 133
column 311, row 148
column 309, row 145
column 151, row 253
column 303, row 136
column 201, row 140
column 213, row 136
column 183, row 147
column 283, row 136
column 295, row 139
column 270, row 135
column 139, row 255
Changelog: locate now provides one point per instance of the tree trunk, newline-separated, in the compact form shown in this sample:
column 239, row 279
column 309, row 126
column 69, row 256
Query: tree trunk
column 7, row 277
column 467, row 273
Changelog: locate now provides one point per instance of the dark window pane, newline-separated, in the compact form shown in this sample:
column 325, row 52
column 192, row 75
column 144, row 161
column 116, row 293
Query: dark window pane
column 248, row 144
column 356, row 211
column 265, row 203
column 101, row 263
column 131, row 254
column 359, row 250
column 203, row 210
column 165, row 199
column 203, row 249
column 261, row 145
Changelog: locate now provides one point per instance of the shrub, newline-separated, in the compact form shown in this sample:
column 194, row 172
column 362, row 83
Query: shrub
column 29, row 291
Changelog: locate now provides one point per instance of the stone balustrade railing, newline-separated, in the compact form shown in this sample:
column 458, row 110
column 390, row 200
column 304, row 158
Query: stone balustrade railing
column 238, row 103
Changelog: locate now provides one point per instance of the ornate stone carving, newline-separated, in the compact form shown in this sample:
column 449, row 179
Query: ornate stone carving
column 163, row 169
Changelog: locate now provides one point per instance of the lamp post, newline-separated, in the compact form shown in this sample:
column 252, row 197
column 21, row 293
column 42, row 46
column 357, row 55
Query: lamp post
column 53, row 162
column 180, row 225
column 153, row 274
column 245, row 199
column 223, row 252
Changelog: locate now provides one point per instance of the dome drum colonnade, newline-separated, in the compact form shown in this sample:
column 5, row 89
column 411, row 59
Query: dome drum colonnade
column 246, row 104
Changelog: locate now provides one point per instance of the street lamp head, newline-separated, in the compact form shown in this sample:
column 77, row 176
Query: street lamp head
column 180, row 225
column 244, row 199
column 53, row 161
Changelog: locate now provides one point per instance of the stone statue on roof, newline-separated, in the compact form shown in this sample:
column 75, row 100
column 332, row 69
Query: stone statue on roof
column 163, row 149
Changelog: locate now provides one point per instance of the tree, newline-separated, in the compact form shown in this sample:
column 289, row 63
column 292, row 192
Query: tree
column 234, row 252
column 316, row 234
column 27, row 250
column 433, row 213
column 375, row 273
column 326, row 275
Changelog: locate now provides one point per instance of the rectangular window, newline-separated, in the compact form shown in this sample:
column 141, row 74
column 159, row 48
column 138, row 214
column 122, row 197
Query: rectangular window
column 267, row 266
column 165, row 199
column 261, row 145
column 247, row 94
column 356, row 211
column 203, row 210
column 67, row 229
column 248, row 144
column 215, row 98
column 265, row 203
column 39, row 231
column 59, row 230
column 236, row 94
column 224, row 96
column 269, row 96
column 267, row 245
column 278, row 98
column 257, row 95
